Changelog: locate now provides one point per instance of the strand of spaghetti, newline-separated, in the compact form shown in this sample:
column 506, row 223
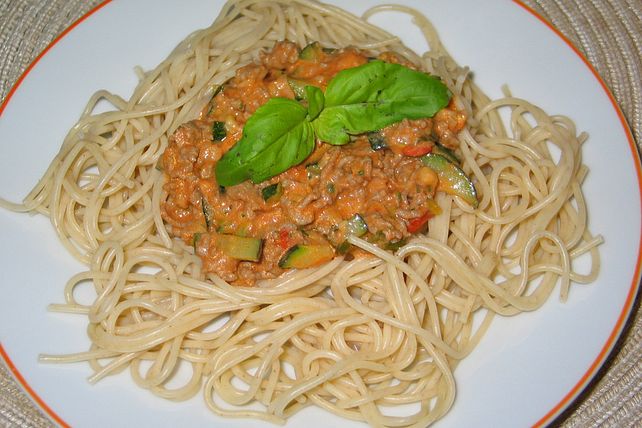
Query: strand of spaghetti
column 114, row 365
column 279, row 335
column 415, row 277
column 162, row 366
column 203, row 290
column 76, row 357
column 187, row 391
column 341, row 291
column 426, row 27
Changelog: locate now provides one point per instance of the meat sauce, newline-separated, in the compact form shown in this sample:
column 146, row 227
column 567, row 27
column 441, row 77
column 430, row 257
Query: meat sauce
column 376, row 186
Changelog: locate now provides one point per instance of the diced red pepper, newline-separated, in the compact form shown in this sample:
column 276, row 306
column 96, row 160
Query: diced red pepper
column 415, row 151
column 284, row 236
column 417, row 223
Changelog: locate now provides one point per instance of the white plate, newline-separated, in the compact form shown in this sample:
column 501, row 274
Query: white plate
column 527, row 368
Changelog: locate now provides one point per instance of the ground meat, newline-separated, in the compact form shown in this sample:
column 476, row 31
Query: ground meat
column 312, row 203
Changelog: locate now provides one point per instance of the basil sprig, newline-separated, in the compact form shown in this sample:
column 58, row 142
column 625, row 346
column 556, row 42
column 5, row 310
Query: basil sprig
column 281, row 133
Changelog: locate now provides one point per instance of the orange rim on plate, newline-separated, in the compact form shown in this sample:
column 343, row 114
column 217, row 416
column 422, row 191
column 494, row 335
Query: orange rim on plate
column 608, row 346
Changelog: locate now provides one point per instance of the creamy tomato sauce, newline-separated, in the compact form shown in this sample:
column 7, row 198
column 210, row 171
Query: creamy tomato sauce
column 376, row 186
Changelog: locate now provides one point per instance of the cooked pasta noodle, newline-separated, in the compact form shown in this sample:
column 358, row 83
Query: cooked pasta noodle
column 352, row 337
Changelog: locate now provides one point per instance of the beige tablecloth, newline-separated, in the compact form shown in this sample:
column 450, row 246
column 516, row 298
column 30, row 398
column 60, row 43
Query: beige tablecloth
column 607, row 32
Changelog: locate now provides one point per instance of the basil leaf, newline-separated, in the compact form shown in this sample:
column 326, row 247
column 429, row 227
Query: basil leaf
column 276, row 137
column 316, row 101
column 375, row 95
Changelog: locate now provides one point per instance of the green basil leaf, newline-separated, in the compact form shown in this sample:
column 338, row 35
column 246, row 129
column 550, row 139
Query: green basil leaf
column 375, row 95
column 316, row 101
column 360, row 84
column 276, row 137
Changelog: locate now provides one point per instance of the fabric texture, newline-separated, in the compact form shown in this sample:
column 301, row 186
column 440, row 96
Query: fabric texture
column 607, row 32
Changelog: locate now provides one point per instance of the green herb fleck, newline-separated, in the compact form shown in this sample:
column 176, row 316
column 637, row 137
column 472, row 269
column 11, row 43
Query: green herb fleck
column 273, row 190
column 330, row 187
column 218, row 131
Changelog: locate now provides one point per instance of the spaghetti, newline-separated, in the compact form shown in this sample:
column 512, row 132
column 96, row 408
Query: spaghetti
column 353, row 337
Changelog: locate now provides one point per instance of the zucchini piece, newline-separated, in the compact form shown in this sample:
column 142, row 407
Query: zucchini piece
column 377, row 140
column 452, row 179
column 311, row 52
column 197, row 237
column 208, row 213
column 306, row 256
column 376, row 238
column 272, row 192
column 450, row 156
column 218, row 90
column 298, row 87
column 395, row 245
column 218, row 131
column 356, row 226
column 344, row 247
column 240, row 247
